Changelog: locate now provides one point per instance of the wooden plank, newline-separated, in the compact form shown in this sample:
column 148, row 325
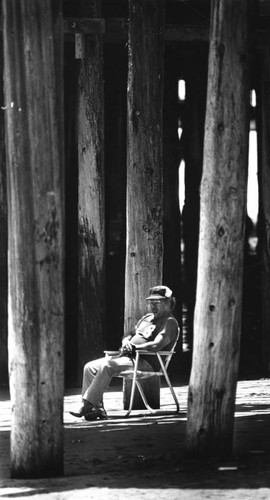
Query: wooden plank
column 86, row 26
column 144, row 249
column 33, row 53
column 115, row 30
column 91, row 203
column 218, row 310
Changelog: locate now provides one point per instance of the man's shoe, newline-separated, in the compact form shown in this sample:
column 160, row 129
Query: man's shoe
column 86, row 408
column 96, row 414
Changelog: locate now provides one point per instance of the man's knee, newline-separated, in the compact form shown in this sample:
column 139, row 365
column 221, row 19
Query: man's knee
column 111, row 366
column 87, row 366
column 90, row 368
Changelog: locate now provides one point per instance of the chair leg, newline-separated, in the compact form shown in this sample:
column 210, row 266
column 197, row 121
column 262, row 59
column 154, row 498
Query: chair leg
column 169, row 382
column 136, row 382
column 144, row 398
column 133, row 387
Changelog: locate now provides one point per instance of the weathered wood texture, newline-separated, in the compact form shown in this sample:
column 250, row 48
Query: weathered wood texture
column 72, row 377
column 264, row 190
column 196, row 82
column 172, row 155
column 217, row 323
column 3, row 242
column 91, row 212
column 84, row 26
column 115, row 30
column 115, row 79
column 34, row 138
column 144, row 254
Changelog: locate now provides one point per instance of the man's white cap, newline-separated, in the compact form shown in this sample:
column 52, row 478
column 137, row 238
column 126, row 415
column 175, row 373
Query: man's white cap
column 159, row 292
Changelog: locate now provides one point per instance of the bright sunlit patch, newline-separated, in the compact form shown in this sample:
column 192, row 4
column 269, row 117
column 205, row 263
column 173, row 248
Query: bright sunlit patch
column 181, row 90
column 252, row 188
column 253, row 98
column 181, row 183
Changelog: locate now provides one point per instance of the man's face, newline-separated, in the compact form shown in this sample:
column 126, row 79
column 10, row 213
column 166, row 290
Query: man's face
column 158, row 307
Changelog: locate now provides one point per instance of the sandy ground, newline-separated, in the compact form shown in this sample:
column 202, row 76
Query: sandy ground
column 143, row 457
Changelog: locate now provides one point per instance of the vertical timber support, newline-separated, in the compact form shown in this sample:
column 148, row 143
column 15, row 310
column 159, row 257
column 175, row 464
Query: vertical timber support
column 35, row 159
column 115, row 92
column 196, row 80
column 144, row 251
column 264, row 190
column 217, row 323
column 144, row 254
column 91, row 286
column 172, row 156
column 3, row 241
column 72, row 376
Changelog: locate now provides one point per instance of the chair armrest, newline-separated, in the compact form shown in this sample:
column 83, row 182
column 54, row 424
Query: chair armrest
column 162, row 353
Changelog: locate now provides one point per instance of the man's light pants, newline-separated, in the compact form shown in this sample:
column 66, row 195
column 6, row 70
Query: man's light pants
column 98, row 374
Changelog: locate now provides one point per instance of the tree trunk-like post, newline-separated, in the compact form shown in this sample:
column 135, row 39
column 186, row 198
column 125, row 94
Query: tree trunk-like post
column 172, row 156
column 144, row 250
column 91, row 282
column 217, row 323
column 264, row 190
column 3, row 243
column 194, row 116
column 115, row 90
column 35, row 153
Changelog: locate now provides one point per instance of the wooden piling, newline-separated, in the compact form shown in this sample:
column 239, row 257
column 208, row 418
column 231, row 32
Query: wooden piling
column 217, row 322
column 35, row 159
column 91, row 196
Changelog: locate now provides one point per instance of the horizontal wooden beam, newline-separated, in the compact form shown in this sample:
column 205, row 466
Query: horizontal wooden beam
column 115, row 30
column 186, row 33
column 84, row 26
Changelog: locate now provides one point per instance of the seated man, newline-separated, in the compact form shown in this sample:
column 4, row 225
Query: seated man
column 155, row 331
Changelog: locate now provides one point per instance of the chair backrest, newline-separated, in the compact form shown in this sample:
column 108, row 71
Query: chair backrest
column 172, row 350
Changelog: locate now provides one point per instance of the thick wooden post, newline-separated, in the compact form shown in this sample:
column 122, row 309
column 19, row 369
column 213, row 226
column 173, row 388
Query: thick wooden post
column 34, row 137
column 144, row 254
column 264, row 190
column 72, row 376
column 91, row 192
column 115, row 91
column 3, row 242
column 196, row 80
column 172, row 156
column 217, row 323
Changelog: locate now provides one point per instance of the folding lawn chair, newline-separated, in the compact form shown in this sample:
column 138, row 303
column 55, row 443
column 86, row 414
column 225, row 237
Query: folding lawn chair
column 164, row 358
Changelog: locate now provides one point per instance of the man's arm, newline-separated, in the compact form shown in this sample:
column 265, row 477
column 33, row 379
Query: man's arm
column 128, row 336
column 126, row 341
column 163, row 338
column 154, row 345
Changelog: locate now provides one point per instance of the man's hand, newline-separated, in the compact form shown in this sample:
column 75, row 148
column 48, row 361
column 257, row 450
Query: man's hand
column 127, row 347
column 126, row 343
